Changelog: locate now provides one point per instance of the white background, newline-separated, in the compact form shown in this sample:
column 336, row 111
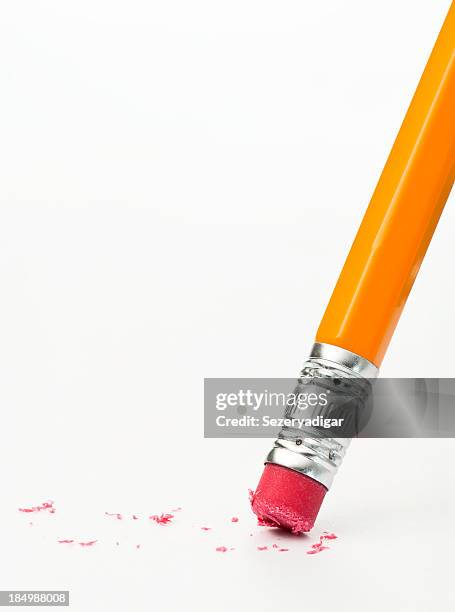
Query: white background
column 179, row 184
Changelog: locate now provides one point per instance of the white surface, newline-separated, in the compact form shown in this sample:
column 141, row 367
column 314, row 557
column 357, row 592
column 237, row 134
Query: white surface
column 179, row 184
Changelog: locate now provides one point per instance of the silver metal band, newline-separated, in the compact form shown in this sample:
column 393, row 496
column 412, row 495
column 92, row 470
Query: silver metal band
column 354, row 364
column 319, row 458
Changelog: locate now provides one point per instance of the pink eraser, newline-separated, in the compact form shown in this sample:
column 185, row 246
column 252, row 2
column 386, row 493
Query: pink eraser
column 288, row 499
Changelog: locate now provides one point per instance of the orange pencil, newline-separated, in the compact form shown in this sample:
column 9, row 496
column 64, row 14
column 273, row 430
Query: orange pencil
column 374, row 283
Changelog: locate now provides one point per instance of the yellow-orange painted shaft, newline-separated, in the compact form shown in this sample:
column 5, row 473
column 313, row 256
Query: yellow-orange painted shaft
column 403, row 213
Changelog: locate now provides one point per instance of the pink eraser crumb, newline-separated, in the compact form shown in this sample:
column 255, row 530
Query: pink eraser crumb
column 262, row 547
column 89, row 543
column 162, row 519
column 315, row 551
column 319, row 546
column 222, row 549
column 283, row 550
column 206, row 528
column 135, row 517
column 288, row 499
column 65, row 541
column 117, row 515
column 44, row 507
column 235, row 519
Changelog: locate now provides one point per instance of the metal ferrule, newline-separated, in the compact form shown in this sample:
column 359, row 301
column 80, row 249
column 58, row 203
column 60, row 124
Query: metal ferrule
column 319, row 457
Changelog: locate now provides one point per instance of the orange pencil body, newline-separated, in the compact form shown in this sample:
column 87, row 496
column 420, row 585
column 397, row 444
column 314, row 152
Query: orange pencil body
column 403, row 213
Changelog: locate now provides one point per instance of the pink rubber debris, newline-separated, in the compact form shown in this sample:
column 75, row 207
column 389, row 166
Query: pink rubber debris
column 319, row 546
column 316, row 549
column 44, row 507
column 117, row 515
column 163, row 519
column 285, row 498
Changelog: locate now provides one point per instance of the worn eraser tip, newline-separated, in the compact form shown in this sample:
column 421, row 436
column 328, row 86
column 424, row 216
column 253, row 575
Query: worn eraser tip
column 285, row 498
